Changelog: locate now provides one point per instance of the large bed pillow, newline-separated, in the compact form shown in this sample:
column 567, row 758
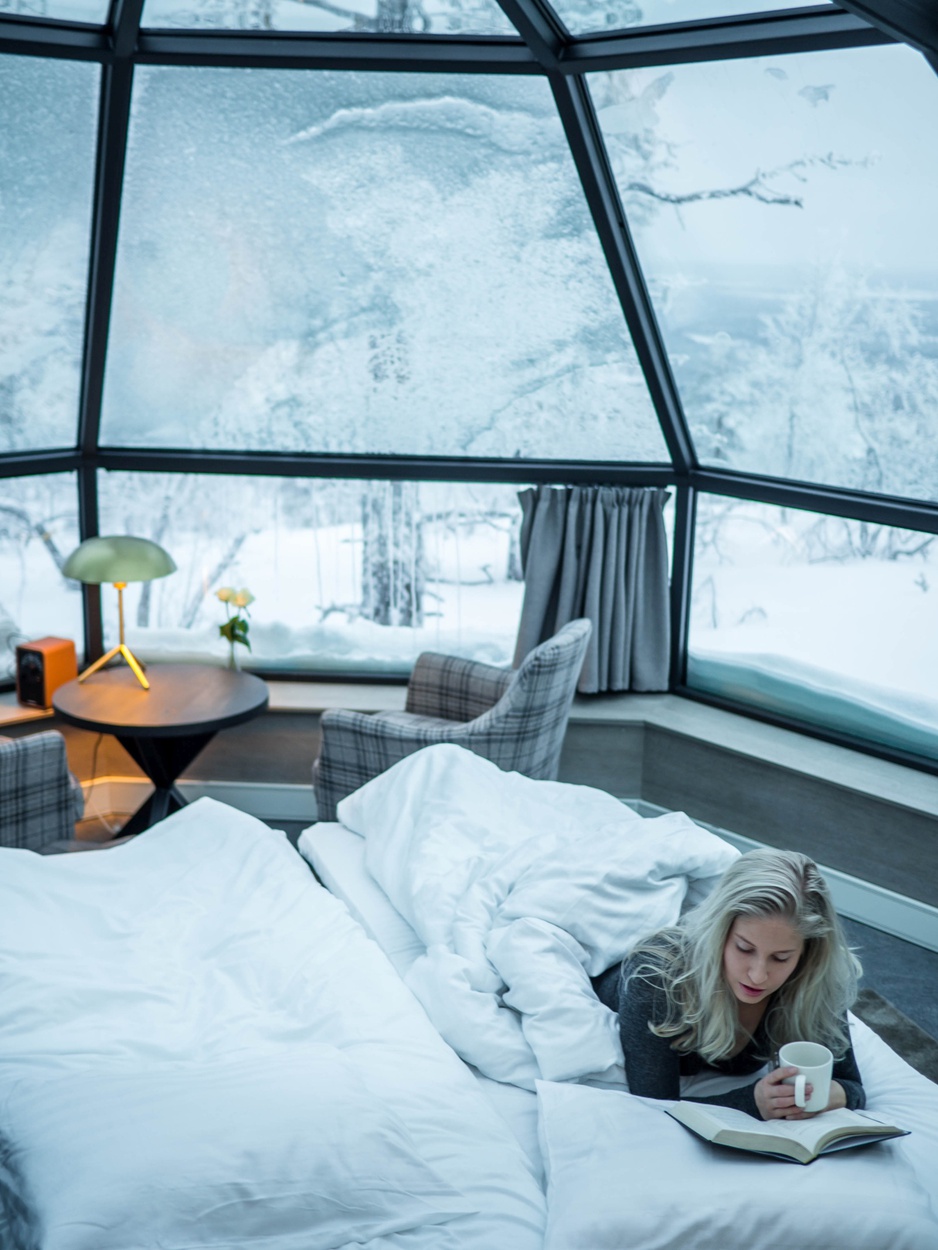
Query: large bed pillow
column 256, row 1152
column 622, row 1173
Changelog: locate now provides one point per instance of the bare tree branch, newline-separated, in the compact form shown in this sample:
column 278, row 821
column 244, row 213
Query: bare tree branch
column 39, row 529
column 756, row 188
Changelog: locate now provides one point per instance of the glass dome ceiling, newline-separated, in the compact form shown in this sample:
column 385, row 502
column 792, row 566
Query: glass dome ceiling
column 307, row 290
column 430, row 17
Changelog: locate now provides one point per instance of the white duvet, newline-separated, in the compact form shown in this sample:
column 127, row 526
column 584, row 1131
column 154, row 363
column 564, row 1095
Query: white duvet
column 521, row 891
column 199, row 1047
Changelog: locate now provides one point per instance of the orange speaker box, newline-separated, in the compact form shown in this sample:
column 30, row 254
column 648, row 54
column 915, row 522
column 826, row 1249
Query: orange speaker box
column 41, row 667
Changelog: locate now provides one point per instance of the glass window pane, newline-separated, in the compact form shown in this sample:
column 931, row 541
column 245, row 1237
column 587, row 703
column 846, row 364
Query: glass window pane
column 411, row 17
column 830, row 621
column 348, row 576
column 49, row 111
column 582, row 17
column 38, row 531
column 784, row 210
column 94, row 12
column 378, row 263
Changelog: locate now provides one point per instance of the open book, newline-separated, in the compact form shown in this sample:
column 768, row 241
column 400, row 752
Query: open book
column 798, row 1140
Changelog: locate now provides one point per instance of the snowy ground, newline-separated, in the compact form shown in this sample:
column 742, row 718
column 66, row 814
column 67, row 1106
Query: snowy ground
column 770, row 599
column 306, row 614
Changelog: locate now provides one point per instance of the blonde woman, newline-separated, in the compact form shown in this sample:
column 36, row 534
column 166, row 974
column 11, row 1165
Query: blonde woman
column 761, row 962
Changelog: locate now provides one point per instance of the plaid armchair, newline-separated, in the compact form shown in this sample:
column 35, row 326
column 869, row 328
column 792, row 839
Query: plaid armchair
column 40, row 800
column 515, row 718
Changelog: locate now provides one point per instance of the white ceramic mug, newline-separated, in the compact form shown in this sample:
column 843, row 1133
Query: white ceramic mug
column 815, row 1064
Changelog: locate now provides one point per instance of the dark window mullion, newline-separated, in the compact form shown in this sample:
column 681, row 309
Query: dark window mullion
column 721, row 40
column 116, row 84
column 682, row 574
column 832, row 501
column 378, row 467
column 125, row 25
column 88, row 527
column 34, row 463
column 913, row 21
column 113, row 122
column 26, row 38
column 391, row 54
column 540, row 31
column 602, row 196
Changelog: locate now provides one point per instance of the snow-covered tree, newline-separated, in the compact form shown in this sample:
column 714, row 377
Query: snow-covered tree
column 840, row 385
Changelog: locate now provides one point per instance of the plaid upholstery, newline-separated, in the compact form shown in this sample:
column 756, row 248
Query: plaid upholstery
column 521, row 730
column 454, row 689
column 39, row 798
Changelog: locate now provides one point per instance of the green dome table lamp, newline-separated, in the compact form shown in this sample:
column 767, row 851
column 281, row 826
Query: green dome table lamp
column 118, row 559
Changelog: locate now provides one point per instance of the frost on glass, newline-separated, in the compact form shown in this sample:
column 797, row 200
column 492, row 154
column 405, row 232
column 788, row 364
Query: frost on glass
column 46, row 169
column 347, row 575
column 90, row 11
column 38, row 531
column 583, row 16
column 409, row 17
column 341, row 262
column 784, row 210
column 830, row 621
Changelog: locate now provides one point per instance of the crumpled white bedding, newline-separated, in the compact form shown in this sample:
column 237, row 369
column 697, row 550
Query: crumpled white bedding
column 521, row 891
column 200, row 1047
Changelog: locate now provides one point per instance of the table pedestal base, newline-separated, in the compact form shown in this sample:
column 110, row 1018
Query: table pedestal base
column 162, row 759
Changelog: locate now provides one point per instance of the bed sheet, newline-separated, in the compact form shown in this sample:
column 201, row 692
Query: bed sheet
column 200, row 947
column 622, row 1173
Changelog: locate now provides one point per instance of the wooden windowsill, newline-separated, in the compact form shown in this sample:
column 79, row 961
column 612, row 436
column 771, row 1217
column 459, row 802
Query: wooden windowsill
column 12, row 712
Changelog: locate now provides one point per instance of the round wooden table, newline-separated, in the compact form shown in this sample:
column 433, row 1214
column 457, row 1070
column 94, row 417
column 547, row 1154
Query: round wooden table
column 164, row 728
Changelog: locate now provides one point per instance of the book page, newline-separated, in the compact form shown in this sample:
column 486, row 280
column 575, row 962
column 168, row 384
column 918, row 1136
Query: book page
column 808, row 1132
column 726, row 1117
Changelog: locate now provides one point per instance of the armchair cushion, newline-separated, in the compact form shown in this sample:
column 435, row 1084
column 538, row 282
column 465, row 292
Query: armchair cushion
column 515, row 719
column 454, row 689
column 40, row 800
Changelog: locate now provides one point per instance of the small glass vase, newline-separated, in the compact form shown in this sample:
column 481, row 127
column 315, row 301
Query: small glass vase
column 233, row 658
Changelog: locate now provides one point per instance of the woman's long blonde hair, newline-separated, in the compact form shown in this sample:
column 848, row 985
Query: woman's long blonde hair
column 687, row 960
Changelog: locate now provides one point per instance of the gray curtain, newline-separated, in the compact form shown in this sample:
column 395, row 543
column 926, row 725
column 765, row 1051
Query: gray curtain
column 599, row 552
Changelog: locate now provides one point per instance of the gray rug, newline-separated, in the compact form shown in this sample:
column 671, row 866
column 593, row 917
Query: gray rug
column 916, row 1047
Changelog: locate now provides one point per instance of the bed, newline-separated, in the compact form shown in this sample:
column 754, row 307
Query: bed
column 199, row 1046
column 475, row 882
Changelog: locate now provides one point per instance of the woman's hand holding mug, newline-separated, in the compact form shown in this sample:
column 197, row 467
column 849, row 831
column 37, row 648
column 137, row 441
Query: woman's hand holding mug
column 801, row 1086
column 775, row 1095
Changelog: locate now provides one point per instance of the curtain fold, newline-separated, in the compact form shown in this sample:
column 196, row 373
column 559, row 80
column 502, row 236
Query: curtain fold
column 599, row 552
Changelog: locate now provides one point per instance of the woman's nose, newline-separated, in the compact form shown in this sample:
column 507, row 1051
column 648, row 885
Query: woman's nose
column 757, row 973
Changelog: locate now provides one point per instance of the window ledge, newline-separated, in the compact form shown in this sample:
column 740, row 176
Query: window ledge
column 744, row 736
column 852, row 770
column 12, row 712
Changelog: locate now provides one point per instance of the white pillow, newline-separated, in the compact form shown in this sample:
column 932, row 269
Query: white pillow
column 257, row 1152
column 622, row 1173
